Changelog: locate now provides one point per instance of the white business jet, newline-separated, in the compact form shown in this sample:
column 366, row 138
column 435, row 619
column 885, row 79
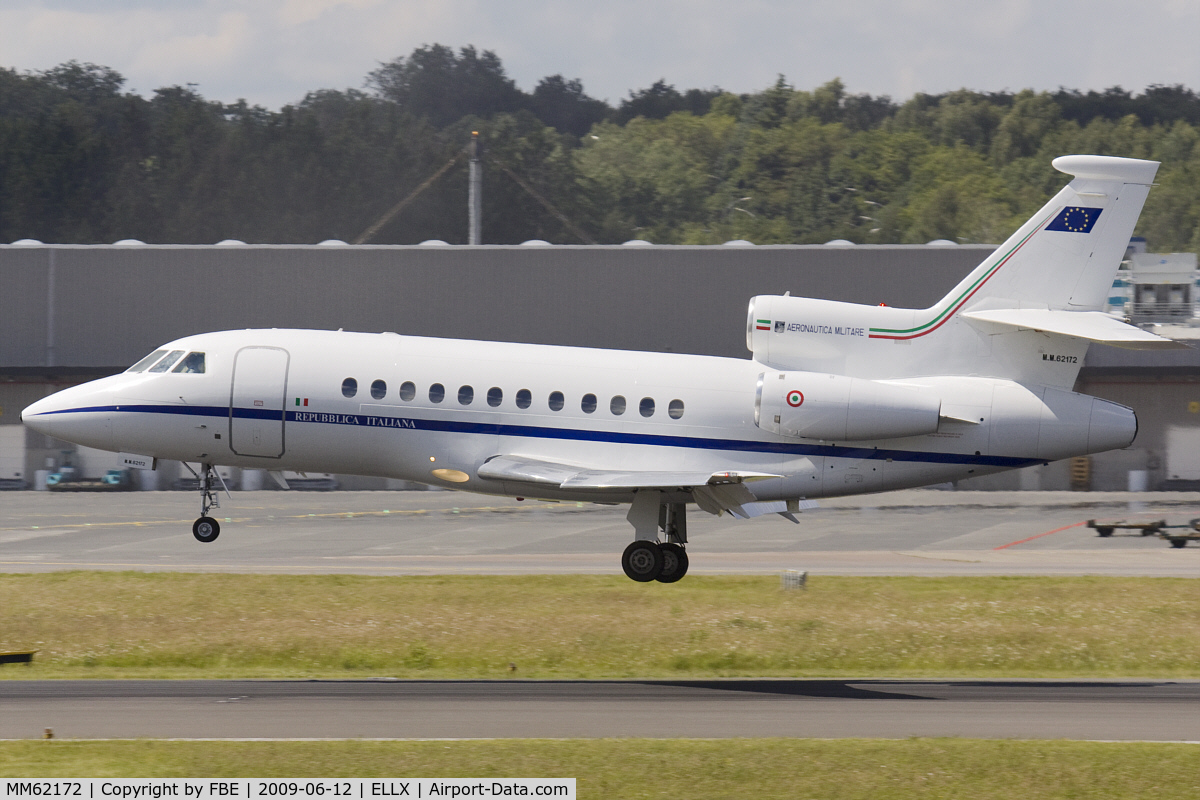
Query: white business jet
column 838, row 398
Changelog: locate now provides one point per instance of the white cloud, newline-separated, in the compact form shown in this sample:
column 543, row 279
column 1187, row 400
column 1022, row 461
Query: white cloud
column 273, row 51
column 297, row 12
column 219, row 48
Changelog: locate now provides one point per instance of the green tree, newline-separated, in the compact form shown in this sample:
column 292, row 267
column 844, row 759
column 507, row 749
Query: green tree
column 435, row 83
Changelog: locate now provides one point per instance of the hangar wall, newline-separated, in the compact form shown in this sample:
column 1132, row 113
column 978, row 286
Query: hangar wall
column 107, row 306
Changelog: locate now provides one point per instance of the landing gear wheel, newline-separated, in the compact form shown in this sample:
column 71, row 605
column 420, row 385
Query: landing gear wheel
column 1104, row 531
column 675, row 563
column 642, row 560
column 1174, row 543
column 206, row 529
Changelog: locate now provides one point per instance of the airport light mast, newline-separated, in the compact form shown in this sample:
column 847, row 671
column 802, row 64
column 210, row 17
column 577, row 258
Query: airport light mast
column 475, row 194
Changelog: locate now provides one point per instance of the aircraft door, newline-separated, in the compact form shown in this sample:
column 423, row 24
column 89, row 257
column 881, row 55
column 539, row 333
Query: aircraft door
column 256, row 402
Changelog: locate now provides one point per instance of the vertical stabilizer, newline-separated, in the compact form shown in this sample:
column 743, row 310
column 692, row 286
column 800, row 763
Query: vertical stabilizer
column 1066, row 256
column 1027, row 313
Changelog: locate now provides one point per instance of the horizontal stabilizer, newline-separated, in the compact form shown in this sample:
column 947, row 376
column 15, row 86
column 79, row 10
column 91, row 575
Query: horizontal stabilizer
column 1093, row 326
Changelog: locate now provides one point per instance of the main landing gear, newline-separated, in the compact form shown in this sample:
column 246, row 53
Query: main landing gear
column 650, row 561
column 646, row 559
column 206, row 529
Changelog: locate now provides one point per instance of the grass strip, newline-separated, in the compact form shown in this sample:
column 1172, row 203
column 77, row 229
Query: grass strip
column 641, row 768
column 178, row 625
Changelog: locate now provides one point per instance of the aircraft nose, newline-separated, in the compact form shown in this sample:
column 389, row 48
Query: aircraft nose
column 40, row 415
column 81, row 415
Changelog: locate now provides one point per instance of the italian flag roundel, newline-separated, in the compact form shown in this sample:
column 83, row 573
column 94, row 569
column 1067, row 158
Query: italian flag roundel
column 795, row 398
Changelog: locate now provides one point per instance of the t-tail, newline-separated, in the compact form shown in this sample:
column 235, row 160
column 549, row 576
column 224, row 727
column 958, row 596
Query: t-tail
column 1026, row 314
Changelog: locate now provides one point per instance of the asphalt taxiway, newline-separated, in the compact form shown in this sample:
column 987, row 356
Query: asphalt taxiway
column 1115, row 710
column 918, row 532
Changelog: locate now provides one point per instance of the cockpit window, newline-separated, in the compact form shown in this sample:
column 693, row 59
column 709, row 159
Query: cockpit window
column 192, row 362
column 167, row 362
column 147, row 361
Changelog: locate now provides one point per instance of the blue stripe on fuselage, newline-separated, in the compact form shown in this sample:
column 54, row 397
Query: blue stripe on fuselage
column 573, row 434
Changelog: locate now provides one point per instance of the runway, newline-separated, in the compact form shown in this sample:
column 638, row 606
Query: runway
column 917, row 532
column 1118, row 710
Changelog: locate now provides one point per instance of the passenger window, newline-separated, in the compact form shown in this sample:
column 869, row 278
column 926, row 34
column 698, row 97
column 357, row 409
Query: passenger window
column 495, row 396
column 147, row 361
column 675, row 409
column 588, row 404
column 524, row 398
column 378, row 390
column 617, row 405
column 167, row 362
column 437, row 393
column 349, row 387
column 465, row 395
column 193, row 363
column 557, row 401
column 408, row 390
column 647, row 407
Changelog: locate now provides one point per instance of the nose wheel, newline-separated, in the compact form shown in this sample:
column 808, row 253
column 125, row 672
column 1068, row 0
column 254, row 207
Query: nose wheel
column 206, row 529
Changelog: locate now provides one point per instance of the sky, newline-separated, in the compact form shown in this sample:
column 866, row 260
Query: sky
column 272, row 52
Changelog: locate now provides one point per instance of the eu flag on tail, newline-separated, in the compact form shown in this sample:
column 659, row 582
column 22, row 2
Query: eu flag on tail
column 1075, row 219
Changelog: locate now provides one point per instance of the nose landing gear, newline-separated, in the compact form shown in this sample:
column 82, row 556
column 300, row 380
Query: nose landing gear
column 206, row 529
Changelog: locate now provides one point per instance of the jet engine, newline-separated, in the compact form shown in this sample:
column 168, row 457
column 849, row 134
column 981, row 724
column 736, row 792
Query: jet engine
column 836, row 408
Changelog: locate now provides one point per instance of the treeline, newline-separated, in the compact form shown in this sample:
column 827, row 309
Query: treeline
column 82, row 160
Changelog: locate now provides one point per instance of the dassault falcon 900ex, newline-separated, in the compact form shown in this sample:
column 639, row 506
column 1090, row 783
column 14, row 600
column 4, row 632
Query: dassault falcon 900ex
column 837, row 399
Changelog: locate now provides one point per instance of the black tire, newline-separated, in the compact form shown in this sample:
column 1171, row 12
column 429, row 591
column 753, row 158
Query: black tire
column 1149, row 531
column 1104, row 531
column 1179, row 543
column 206, row 529
column 675, row 563
column 642, row 561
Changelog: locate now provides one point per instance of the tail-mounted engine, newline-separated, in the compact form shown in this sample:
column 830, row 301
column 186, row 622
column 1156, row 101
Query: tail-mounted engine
column 836, row 408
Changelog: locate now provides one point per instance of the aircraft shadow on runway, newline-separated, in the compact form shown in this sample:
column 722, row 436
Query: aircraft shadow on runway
column 877, row 689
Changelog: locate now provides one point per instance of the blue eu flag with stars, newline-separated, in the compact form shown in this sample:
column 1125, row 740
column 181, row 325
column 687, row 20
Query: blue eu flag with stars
column 1075, row 219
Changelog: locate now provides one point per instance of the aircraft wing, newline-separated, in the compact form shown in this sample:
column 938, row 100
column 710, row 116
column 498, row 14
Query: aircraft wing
column 714, row 492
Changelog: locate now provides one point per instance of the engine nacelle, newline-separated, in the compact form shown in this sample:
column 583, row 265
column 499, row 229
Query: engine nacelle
column 836, row 408
column 1050, row 423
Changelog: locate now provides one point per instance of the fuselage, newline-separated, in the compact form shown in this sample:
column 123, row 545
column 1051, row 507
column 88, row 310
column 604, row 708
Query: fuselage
column 435, row 410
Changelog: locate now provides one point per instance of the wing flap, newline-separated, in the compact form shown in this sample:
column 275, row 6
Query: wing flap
column 526, row 470
column 597, row 479
column 728, row 484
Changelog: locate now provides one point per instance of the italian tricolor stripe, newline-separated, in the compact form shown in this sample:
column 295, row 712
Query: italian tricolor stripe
column 762, row 325
column 959, row 302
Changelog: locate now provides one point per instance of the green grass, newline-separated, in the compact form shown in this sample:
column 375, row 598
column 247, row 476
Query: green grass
column 106, row 624
column 642, row 768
